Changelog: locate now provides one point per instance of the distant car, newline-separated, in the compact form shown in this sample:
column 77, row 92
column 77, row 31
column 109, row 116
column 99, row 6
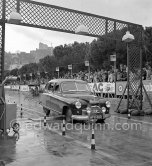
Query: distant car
column 74, row 99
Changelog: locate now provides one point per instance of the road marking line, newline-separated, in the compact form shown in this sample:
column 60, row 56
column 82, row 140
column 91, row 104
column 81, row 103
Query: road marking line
column 132, row 119
column 141, row 164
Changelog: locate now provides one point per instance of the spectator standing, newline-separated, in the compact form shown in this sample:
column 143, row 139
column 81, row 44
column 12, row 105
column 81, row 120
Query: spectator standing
column 148, row 73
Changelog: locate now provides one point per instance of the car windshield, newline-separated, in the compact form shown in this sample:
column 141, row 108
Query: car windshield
column 75, row 86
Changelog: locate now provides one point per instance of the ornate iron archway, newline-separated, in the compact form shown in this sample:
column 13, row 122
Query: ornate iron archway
column 50, row 17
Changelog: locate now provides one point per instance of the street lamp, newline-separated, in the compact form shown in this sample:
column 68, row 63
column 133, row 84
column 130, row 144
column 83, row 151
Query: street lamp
column 87, row 64
column 58, row 70
column 14, row 17
column 82, row 30
column 70, row 68
column 128, row 38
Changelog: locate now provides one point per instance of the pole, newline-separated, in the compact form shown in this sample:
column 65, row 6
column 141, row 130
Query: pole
column 58, row 74
column 141, row 82
column 3, row 40
column 25, row 78
column 93, row 137
column 128, row 78
column 115, row 76
column 45, row 122
column 89, row 72
column 63, row 127
column 71, row 73
column 2, row 61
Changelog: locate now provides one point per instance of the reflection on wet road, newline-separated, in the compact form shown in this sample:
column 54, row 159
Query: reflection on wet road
column 119, row 142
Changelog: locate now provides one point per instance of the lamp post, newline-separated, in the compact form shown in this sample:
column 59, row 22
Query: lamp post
column 58, row 70
column 15, row 17
column 70, row 68
column 113, row 58
column 128, row 38
column 3, row 22
column 88, row 65
column 81, row 30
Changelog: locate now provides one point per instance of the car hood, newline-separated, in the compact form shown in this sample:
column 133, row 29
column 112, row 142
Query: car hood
column 85, row 97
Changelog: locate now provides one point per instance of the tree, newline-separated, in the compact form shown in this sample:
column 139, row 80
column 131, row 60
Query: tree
column 58, row 52
column 14, row 72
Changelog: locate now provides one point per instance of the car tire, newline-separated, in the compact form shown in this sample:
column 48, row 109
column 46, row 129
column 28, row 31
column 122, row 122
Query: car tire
column 68, row 115
column 46, row 111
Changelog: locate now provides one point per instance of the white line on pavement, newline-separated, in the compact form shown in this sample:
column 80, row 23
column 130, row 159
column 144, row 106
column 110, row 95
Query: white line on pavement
column 132, row 119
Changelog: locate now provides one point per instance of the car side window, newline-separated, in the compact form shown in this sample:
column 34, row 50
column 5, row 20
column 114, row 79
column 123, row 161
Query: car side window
column 56, row 88
column 51, row 86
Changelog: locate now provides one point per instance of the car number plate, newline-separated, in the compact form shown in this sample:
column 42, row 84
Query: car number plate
column 96, row 117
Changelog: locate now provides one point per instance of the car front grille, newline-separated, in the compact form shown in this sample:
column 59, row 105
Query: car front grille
column 79, row 111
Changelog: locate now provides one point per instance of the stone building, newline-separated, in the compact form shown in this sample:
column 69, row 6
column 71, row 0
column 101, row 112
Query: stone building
column 41, row 52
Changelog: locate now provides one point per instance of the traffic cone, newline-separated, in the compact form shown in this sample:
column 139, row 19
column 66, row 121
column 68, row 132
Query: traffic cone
column 45, row 121
column 63, row 127
column 93, row 140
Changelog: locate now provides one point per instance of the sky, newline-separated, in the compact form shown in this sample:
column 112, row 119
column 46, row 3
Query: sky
column 20, row 38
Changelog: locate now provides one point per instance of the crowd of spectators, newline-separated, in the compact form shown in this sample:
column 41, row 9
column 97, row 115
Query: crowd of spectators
column 119, row 74
column 101, row 75
column 112, row 75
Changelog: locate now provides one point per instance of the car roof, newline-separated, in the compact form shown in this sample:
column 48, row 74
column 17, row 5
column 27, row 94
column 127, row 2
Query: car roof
column 60, row 80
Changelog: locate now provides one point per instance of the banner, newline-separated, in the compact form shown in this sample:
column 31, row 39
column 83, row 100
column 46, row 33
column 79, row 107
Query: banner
column 7, row 87
column 15, row 87
column 148, row 85
column 24, row 88
column 102, row 87
column 120, row 86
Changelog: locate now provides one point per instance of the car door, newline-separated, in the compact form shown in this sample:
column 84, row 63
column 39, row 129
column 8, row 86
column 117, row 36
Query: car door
column 48, row 95
column 58, row 101
column 53, row 100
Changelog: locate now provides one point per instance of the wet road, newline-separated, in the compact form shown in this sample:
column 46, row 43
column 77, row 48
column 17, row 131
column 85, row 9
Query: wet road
column 119, row 142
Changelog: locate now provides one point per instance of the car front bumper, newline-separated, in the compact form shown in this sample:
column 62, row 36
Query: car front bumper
column 86, row 117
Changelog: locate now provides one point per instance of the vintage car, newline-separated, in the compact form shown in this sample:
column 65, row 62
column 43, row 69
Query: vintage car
column 74, row 100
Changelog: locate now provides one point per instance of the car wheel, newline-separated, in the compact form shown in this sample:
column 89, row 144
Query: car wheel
column 68, row 115
column 46, row 111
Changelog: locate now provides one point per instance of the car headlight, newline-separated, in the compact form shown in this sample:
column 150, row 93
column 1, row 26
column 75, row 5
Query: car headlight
column 103, row 109
column 78, row 105
column 108, row 104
